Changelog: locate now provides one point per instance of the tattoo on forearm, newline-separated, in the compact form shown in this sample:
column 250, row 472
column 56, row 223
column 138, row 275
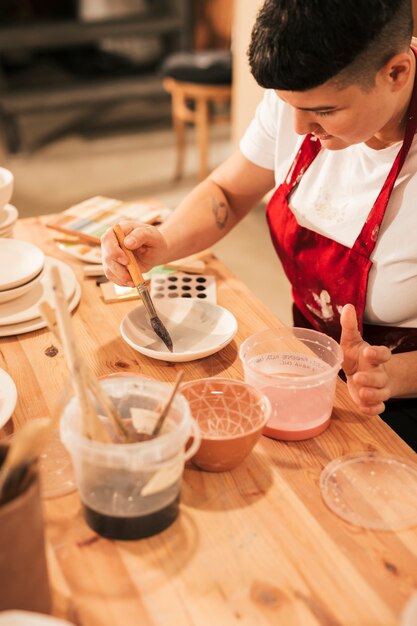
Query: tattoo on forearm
column 220, row 212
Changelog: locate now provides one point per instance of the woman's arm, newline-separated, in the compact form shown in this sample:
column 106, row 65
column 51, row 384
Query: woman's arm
column 206, row 215
column 374, row 374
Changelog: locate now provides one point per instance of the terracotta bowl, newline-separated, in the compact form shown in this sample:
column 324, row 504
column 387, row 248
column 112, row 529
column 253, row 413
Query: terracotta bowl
column 231, row 416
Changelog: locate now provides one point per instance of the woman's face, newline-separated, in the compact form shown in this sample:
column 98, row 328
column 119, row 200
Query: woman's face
column 343, row 117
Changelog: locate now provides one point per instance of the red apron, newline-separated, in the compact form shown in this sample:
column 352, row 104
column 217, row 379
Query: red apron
column 325, row 274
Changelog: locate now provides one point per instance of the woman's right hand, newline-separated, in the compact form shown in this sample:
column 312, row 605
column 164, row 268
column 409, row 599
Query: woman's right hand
column 145, row 241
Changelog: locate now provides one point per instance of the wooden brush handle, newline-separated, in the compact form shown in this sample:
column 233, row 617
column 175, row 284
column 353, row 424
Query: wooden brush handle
column 101, row 396
column 133, row 266
column 93, row 428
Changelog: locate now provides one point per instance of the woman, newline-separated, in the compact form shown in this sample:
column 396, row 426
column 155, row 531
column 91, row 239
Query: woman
column 334, row 136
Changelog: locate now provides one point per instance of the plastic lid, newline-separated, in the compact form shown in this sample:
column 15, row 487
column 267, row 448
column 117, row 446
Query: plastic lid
column 371, row 490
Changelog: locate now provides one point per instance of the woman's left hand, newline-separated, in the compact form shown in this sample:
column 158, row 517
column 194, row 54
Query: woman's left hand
column 364, row 366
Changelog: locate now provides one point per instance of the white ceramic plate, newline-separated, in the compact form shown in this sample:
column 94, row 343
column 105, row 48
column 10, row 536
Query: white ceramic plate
column 37, row 323
column 20, row 261
column 82, row 251
column 198, row 328
column 8, row 397
column 29, row 618
column 11, row 294
column 8, row 216
column 26, row 307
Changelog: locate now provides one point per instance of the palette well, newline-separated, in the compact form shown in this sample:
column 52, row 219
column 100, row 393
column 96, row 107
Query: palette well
column 198, row 328
column 182, row 285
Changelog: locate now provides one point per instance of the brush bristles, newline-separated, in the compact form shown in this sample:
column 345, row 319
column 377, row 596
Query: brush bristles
column 162, row 332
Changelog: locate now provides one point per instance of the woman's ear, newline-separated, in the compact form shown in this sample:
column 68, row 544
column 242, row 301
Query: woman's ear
column 398, row 69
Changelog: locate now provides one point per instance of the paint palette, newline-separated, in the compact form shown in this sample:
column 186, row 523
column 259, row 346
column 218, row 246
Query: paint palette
column 181, row 285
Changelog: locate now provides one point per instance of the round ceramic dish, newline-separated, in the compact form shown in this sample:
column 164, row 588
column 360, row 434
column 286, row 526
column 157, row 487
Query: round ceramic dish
column 12, row 294
column 8, row 397
column 20, row 261
column 6, row 185
column 36, row 324
column 26, row 307
column 364, row 489
column 8, row 216
column 198, row 328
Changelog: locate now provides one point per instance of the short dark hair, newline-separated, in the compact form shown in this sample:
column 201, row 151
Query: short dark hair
column 300, row 44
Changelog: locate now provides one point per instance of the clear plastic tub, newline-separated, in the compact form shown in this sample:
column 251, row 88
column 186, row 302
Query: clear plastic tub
column 296, row 368
column 131, row 490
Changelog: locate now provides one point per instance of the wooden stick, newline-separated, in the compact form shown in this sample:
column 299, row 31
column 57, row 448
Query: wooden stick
column 167, row 405
column 92, row 426
column 107, row 405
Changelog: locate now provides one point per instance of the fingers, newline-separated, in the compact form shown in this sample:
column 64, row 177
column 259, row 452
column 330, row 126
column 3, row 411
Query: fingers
column 372, row 385
column 136, row 237
column 374, row 409
column 114, row 259
column 376, row 355
column 349, row 324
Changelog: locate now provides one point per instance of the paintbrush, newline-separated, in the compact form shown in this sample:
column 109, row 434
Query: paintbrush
column 141, row 285
column 98, row 392
column 25, row 448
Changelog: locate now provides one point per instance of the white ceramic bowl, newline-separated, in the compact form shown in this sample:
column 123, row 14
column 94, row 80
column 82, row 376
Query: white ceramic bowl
column 6, row 186
column 198, row 328
column 11, row 294
column 20, row 261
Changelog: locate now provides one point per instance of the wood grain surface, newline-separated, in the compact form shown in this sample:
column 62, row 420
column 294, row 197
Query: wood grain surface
column 255, row 546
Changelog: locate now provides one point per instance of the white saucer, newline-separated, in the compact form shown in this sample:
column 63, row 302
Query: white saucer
column 82, row 251
column 16, row 292
column 8, row 397
column 27, row 306
column 38, row 322
column 8, row 216
column 198, row 328
column 20, row 261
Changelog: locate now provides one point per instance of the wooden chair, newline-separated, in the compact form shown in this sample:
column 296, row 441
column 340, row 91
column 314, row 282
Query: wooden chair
column 197, row 89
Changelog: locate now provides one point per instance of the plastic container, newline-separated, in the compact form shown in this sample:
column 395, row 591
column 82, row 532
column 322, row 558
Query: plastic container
column 132, row 490
column 231, row 415
column 296, row 368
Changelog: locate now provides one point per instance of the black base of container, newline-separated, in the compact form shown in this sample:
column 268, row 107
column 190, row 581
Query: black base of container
column 113, row 527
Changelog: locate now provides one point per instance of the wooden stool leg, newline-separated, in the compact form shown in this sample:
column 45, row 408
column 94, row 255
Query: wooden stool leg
column 202, row 128
column 178, row 104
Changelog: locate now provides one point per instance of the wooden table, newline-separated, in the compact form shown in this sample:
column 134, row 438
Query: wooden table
column 255, row 546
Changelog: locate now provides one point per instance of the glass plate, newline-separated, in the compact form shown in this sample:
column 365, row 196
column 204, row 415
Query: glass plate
column 367, row 489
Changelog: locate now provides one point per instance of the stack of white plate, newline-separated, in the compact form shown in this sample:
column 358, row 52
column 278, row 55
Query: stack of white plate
column 25, row 284
column 8, row 218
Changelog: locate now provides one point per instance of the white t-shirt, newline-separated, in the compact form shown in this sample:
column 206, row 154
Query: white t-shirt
column 334, row 198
